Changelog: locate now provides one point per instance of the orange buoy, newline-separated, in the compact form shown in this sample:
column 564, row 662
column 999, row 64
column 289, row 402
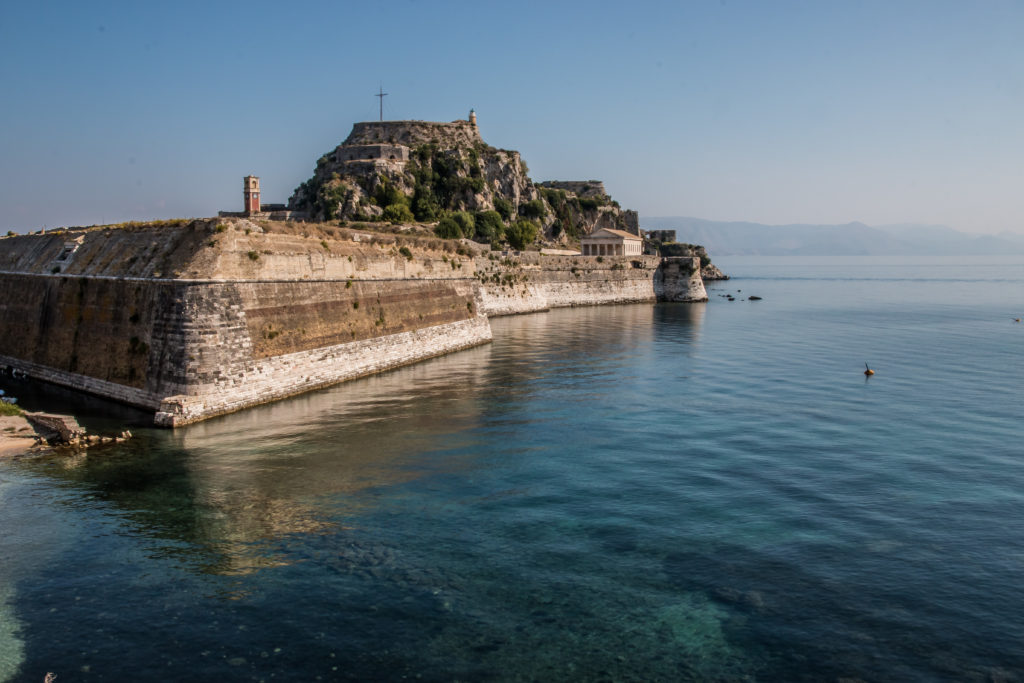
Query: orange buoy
column 868, row 371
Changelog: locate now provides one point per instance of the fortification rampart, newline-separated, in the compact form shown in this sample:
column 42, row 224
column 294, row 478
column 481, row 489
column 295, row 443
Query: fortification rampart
column 533, row 282
column 221, row 346
column 365, row 152
column 413, row 133
column 207, row 317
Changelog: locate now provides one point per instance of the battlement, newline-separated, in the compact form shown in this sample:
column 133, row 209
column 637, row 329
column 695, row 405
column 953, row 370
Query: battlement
column 368, row 152
column 413, row 133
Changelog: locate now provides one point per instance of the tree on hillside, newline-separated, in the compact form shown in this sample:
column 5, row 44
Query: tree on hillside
column 521, row 233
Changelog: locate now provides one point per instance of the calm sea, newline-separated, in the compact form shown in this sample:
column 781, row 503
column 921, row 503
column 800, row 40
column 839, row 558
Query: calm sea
column 640, row 492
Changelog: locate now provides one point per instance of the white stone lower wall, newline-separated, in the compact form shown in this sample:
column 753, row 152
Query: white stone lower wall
column 84, row 383
column 274, row 378
column 531, row 297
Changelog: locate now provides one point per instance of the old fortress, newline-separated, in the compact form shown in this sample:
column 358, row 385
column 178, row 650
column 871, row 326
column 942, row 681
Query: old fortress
column 190, row 319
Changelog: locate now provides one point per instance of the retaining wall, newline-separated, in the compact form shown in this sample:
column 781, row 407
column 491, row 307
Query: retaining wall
column 193, row 349
column 532, row 282
column 199, row 319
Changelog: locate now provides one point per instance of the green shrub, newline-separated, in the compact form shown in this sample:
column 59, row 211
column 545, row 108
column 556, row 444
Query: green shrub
column 398, row 213
column 521, row 233
column 387, row 194
column 674, row 249
column 254, row 255
column 489, row 226
column 9, row 409
column 467, row 224
column 504, row 208
column 448, row 229
column 220, row 227
column 425, row 206
column 533, row 208
column 404, row 251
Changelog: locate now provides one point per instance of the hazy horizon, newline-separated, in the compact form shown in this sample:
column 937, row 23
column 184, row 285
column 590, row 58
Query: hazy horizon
column 732, row 111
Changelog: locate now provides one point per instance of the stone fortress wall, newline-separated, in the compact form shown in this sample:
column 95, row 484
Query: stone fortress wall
column 197, row 320
column 364, row 152
column 414, row 133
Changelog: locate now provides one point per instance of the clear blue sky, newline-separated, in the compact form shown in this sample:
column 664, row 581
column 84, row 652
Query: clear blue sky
column 781, row 112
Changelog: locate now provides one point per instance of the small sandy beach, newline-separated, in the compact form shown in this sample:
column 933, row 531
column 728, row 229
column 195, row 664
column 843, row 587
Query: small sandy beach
column 16, row 436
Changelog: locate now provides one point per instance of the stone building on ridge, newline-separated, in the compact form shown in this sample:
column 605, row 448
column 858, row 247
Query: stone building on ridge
column 609, row 242
column 252, row 207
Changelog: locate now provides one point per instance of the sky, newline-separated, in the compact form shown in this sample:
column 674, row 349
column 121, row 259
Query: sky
column 816, row 111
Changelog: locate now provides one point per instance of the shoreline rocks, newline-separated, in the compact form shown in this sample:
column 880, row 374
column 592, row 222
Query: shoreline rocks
column 43, row 433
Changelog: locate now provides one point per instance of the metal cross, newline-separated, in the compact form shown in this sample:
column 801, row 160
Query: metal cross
column 381, row 95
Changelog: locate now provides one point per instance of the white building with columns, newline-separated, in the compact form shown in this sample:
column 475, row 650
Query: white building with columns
column 608, row 242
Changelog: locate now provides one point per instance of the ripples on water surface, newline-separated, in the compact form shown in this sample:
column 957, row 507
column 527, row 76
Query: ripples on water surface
column 706, row 492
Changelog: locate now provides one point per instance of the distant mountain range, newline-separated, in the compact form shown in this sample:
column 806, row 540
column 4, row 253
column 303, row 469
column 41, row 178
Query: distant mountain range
column 852, row 239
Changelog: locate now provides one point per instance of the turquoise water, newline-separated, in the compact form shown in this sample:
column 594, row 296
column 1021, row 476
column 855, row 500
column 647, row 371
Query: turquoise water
column 670, row 492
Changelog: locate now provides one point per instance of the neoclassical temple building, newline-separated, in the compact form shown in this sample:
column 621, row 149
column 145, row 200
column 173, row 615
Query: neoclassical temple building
column 608, row 242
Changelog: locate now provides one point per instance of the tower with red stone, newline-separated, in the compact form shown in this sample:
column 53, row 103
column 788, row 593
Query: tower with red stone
column 251, row 194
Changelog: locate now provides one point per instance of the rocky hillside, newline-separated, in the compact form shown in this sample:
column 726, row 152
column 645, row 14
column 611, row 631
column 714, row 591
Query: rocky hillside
column 406, row 171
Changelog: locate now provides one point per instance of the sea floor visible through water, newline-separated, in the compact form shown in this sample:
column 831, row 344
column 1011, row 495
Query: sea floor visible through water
column 638, row 492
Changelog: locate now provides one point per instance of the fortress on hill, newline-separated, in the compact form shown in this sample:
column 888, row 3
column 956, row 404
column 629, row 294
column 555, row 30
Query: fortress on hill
column 190, row 319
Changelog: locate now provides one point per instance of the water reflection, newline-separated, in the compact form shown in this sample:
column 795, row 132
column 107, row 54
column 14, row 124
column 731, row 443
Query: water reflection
column 224, row 492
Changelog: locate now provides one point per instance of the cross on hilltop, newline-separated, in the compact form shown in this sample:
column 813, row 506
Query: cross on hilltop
column 381, row 95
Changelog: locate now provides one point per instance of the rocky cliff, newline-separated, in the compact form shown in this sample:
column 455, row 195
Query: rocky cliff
column 404, row 171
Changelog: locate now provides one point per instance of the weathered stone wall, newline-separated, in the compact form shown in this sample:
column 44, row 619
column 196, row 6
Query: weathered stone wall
column 382, row 151
column 229, row 249
column 96, row 327
column 209, row 317
column 225, row 344
column 413, row 133
column 143, row 251
column 533, row 282
column 280, row 376
column 678, row 279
